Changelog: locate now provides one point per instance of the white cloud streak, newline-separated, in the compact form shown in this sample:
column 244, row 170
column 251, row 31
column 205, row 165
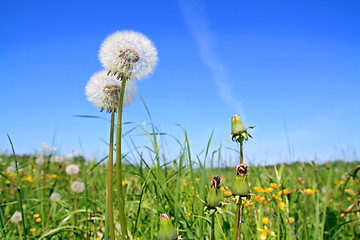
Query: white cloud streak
column 193, row 12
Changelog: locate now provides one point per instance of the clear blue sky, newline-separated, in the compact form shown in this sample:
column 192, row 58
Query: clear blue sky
column 277, row 63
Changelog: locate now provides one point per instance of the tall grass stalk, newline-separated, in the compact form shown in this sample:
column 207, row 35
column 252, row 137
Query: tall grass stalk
column 19, row 189
column 121, row 201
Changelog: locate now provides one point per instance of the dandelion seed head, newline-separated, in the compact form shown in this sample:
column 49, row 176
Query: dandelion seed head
column 10, row 169
column 128, row 53
column 55, row 196
column 55, row 158
column 104, row 91
column 77, row 187
column 39, row 161
column 72, row 169
column 16, row 217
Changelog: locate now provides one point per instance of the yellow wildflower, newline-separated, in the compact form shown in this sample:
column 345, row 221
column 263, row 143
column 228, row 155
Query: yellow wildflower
column 258, row 189
column 38, row 220
column 282, row 205
column 287, row 191
column 266, row 221
column 228, row 193
column 197, row 179
column 166, row 206
column 291, row 220
column 126, row 182
column 32, row 230
column 269, row 190
column 309, row 191
column 274, row 185
column 36, row 215
column 53, row 176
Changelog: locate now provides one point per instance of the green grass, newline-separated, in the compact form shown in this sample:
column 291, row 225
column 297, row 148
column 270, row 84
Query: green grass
column 175, row 186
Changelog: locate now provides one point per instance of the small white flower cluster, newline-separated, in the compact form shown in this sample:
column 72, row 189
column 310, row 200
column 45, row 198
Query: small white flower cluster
column 72, row 169
column 77, row 187
column 39, row 160
column 125, row 55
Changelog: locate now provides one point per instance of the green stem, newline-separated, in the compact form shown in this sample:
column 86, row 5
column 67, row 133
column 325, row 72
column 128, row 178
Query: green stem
column 213, row 227
column 110, row 180
column 237, row 224
column 121, row 201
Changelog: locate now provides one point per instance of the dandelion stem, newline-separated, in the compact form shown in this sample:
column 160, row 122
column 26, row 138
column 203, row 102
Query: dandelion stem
column 237, row 224
column 121, row 201
column 110, row 180
column 213, row 227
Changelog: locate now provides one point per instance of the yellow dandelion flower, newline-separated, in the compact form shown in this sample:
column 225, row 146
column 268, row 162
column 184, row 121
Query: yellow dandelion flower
column 282, row 205
column 32, row 230
column 287, row 191
column 257, row 198
column 269, row 190
column 166, row 206
column 224, row 189
column 228, row 193
column 185, row 184
column 7, row 182
column 36, row 215
column 274, row 185
column 349, row 198
column 309, row 191
column 188, row 213
column 126, row 182
column 291, row 219
column 259, row 189
column 145, row 205
column 342, row 182
column 38, row 220
column 266, row 221
column 53, row 176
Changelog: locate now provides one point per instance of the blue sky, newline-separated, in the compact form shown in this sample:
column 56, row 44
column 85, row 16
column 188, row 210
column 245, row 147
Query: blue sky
column 291, row 68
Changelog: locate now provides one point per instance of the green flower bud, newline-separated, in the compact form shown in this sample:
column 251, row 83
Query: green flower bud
column 167, row 230
column 215, row 195
column 236, row 125
column 241, row 187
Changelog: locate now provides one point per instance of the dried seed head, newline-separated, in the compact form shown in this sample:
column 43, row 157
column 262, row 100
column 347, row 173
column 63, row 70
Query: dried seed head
column 241, row 170
column 129, row 55
column 111, row 97
column 215, row 182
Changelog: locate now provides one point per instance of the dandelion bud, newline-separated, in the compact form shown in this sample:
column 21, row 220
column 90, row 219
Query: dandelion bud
column 167, row 230
column 214, row 196
column 236, row 125
column 238, row 131
column 241, row 186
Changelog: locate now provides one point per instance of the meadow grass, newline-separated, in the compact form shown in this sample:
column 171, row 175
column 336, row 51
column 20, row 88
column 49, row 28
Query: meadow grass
column 287, row 201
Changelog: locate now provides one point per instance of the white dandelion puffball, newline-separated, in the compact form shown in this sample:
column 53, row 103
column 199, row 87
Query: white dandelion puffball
column 55, row 196
column 39, row 161
column 129, row 53
column 72, row 169
column 104, row 91
column 16, row 217
column 55, row 158
column 10, row 169
column 77, row 187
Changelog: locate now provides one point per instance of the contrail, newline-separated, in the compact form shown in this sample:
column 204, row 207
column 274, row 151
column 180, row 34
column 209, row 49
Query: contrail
column 193, row 13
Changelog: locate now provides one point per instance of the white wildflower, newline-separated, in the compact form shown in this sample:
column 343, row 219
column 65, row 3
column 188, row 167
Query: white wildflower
column 53, row 149
column 10, row 169
column 128, row 53
column 45, row 146
column 72, row 169
column 55, row 158
column 77, row 187
column 55, row 196
column 99, row 235
column 104, row 91
column 16, row 217
column 70, row 157
column 39, row 161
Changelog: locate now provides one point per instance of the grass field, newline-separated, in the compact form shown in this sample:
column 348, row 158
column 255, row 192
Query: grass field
column 289, row 201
